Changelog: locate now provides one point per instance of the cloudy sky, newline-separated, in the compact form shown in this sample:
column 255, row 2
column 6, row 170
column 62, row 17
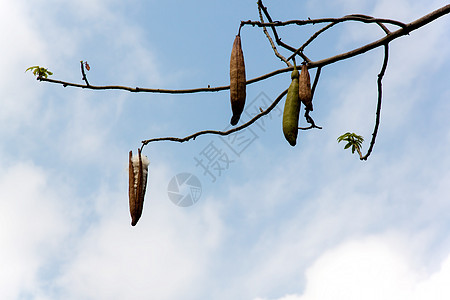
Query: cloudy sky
column 275, row 222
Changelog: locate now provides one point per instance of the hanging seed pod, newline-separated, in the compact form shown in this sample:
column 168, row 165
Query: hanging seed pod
column 237, row 81
column 137, row 184
column 292, row 110
column 305, row 94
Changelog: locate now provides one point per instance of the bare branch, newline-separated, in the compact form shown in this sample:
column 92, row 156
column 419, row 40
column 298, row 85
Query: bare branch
column 380, row 97
column 386, row 39
column 405, row 30
column 277, row 54
column 84, row 74
column 275, row 34
column 312, row 38
column 195, row 135
column 322, row 30
column 139, row 89
column 310, row 121
column 359, row 18
column 310, row 127
column 316, row 80
column 307, row 111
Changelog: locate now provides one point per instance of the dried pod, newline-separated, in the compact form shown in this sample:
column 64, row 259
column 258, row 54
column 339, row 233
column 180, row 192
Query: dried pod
column 237, row 81
column 305, row 94
column 137, row 184
column 292, row 110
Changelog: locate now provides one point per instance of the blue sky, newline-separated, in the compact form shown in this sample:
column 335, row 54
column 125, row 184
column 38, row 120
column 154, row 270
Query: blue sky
column 279, row 223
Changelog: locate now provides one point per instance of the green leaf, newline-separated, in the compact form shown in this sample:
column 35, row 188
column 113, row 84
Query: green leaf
column 343, row 137
column 31, row 68
column 352, row 139
column 39, row 71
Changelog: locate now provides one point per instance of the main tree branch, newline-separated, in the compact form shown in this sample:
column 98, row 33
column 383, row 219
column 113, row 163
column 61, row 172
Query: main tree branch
column 404, row 30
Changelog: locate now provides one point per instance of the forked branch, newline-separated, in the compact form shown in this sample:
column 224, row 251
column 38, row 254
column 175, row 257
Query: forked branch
column 402, row 30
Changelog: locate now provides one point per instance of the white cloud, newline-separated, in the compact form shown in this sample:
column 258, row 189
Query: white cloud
column 57, row 245
column 34, row 222
column 372, row 268
column 156, row 259
column 42, row 216
column 301, row 208
column 21, row 48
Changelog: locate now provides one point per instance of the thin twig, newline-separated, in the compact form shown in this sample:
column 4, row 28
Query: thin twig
column 310, row 121
column 312, row 38
column 359, row 152
column 380, row 97
column 322, row 30
column 271, row 25
column 275, row 34
column 359, row 18
column 308, row 118
column 277, row 54
column 84, row 74
column 378, row 21
column 223, row 133
column 316, row 80
column 310, row 127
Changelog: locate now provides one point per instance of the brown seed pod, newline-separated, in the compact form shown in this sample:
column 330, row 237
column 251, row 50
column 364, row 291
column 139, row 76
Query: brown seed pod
column 304, row 91
column 137, row 184
column 237, row 81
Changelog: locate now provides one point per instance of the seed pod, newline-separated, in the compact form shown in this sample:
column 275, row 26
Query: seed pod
column 305, row 94
column 137, row 184
column 237, row 81
column 292, row 110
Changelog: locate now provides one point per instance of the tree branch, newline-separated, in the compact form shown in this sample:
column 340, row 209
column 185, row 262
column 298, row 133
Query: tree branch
column 275, row 34
column 405, row 30
column 84, row 74
column 386, row 39
column 380, row 97
column 355, row 17
column 277, row 54
column 217, row 132
column 307, row 111
column 316, row 80
column 322, row 30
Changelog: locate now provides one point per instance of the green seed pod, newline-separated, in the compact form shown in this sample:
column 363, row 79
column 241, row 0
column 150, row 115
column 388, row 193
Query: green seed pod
column 292, row 110
column 305, row 94
column 237, row 81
